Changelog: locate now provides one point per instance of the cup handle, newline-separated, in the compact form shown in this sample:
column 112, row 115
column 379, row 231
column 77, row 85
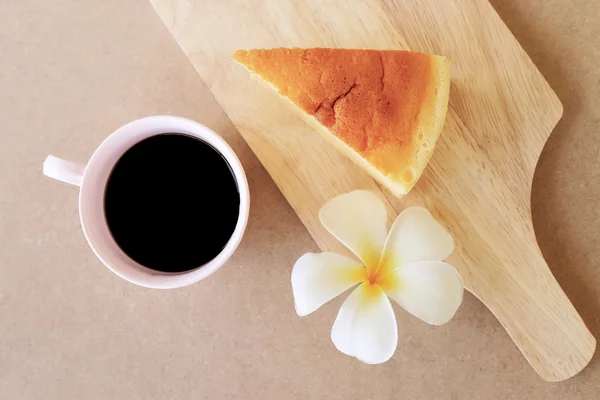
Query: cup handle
column 63, row 170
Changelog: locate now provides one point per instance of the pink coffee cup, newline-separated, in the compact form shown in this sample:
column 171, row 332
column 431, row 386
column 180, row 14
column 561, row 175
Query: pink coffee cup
column 92, row 179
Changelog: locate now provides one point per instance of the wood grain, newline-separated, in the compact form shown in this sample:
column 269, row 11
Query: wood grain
column 479, row 179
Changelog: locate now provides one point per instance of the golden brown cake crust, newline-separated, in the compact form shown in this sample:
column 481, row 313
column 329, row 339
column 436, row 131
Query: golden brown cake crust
column 380, row 103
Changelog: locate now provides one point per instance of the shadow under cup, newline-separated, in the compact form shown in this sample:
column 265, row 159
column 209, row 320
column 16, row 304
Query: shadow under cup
column 97, row 180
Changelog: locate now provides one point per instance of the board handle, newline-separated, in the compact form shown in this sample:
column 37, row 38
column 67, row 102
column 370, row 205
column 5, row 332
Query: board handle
column 537, row 314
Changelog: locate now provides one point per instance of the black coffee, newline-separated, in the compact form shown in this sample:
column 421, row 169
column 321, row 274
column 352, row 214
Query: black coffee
column 172, row 202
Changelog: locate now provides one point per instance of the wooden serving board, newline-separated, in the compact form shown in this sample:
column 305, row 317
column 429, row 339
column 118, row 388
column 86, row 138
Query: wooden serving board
column 478, row 181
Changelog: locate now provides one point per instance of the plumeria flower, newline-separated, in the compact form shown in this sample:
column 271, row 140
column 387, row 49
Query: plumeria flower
column 404, row 265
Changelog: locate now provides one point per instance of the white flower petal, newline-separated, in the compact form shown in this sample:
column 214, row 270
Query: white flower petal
column 366, row 326
column 357, row 219
column 416, row 236
column 318, row 278
column 430, row 290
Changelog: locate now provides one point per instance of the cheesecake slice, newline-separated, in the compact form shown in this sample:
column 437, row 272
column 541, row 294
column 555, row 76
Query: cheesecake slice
column 383, row 109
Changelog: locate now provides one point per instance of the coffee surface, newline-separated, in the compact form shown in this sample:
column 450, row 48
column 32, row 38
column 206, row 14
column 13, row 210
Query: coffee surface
column 172, row 202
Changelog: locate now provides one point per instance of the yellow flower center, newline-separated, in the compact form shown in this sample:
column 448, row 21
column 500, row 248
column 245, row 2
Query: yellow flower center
column 377, row 275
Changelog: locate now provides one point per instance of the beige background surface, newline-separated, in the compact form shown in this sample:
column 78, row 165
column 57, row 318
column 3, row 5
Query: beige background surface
column 73, row 71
